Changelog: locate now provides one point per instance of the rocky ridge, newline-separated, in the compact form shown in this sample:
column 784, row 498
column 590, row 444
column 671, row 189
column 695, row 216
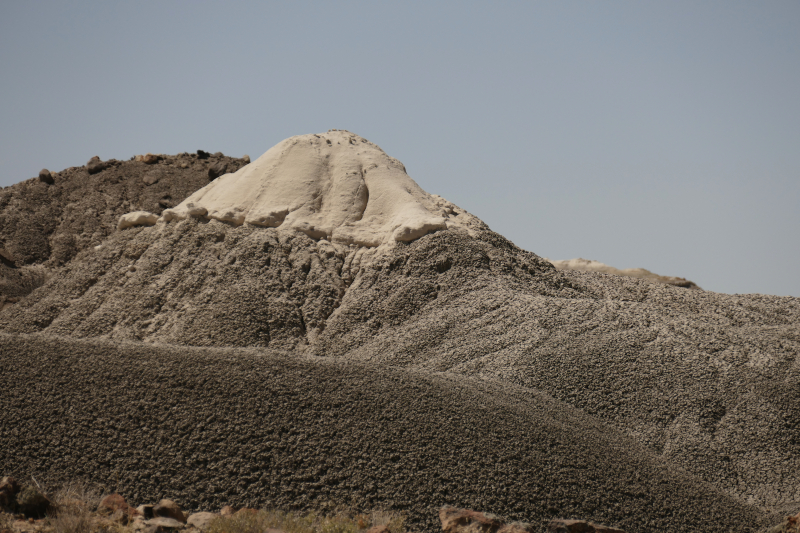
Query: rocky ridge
column 689, row 380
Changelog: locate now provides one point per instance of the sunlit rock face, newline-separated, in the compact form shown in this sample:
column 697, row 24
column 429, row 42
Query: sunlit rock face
column 588, row 265
column 335, row 186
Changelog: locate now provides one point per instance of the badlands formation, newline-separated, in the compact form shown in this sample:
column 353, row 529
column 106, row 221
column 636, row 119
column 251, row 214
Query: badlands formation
column 315, row 331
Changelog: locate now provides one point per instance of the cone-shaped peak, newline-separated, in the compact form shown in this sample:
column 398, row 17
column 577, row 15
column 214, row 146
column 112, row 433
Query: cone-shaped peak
column 335, row 185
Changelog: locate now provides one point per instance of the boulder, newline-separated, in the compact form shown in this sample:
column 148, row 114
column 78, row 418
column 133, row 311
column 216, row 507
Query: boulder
column 169, row 509
column 152, row 177
column 579, row 526
column 95, row 165
column 46, row 177
column 201, row 521
column 31, row 502
column 216, row 170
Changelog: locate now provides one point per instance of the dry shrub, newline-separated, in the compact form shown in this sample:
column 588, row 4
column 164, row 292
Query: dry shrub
column 72, row 508
column 304, row 523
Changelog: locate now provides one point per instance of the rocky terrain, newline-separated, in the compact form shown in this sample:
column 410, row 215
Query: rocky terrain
column 338, row 335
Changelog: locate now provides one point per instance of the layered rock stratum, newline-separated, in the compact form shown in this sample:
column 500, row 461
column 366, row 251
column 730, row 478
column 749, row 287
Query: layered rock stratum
column 320, row 328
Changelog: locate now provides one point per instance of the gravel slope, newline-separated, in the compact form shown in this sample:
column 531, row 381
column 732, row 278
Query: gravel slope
column 208, row 427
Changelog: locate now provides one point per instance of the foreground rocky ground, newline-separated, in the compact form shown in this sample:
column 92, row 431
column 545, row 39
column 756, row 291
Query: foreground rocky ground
column 26, row 509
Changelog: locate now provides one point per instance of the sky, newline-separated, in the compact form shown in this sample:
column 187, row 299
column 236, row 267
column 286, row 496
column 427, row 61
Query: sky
column 660, row 135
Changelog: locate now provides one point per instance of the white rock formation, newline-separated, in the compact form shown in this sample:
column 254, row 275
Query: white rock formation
column 137, row 218
column 335, row 186
column 588, row 265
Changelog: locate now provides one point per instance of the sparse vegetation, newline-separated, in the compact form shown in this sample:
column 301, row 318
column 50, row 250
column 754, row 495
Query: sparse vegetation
column 258, row 522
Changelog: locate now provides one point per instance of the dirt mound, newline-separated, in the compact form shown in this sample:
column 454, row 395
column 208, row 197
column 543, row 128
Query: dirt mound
column 588, row 265
column 48, row 222
column 253, row 428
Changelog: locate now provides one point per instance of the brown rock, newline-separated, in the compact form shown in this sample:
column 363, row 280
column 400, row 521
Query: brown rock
column 246, row 510
column 216, row 170
column 113, row 503
column 467, row 521
column 169, row 509
column 579, row 526
column 46, row 177
column 95, row 165
column 379, row 529
column 150, row 159
column 227, row 511
column 201, row 520
column 152, row 177
column 246, row 158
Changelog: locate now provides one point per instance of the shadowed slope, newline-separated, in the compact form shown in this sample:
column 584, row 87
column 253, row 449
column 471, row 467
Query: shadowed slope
column 210, row 426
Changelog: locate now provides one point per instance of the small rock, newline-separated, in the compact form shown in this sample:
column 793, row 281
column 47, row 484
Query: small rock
column 150, row 159
column 165, row 522
column 379, row 529
column 246, row 510
column 227, row 511
column 46, row 177
column 218, row 154
column 146, row 511
column 184, row 164
column 152, row 177
column 31, row 502
column 95, row 165
column 169, row 509
column 8, row 489
column 201, row 520
column 579, row 526
column 216, row 170
column 246, row 158
column 202, row 155
column 137, row 218
column 115, row 502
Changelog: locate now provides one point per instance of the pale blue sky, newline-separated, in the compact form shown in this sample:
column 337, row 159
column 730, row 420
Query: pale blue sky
column 662, row 135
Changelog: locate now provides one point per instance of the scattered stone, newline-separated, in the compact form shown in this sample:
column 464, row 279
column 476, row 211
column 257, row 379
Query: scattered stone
column 95, row 165
column 216, row 170
column 169, row 509
column 152, row 177
column 115, row 502
column 145, row 511
column 8, row 489
column 246, row 159
column 579, row 526
column 31, row 502
column 165, row 521
column 201, row 520
column 227, row 511
column 137, row 218
column 150, row 159
column 46, row 177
